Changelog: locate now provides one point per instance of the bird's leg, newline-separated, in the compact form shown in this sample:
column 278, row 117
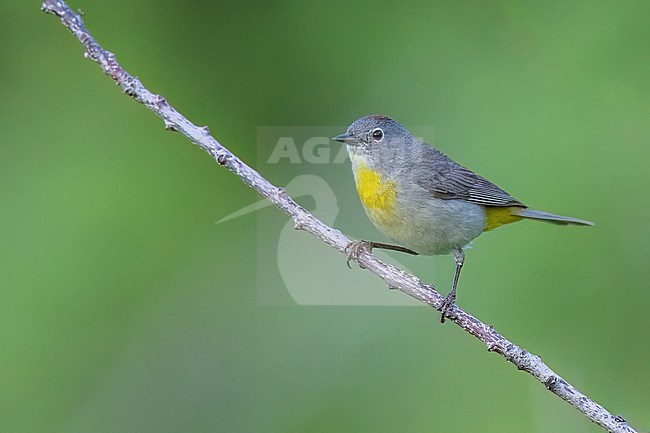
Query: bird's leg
column 354, row 248
column 450, row 299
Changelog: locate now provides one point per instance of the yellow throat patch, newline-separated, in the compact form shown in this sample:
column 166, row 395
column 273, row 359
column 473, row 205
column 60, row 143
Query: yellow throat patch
column 373, row 191
column 497, row 216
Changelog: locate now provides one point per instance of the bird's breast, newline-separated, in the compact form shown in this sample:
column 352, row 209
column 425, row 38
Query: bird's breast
column 376, row 193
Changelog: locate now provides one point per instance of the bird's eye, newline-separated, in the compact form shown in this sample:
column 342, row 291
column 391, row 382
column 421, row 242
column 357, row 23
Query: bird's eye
column 377, row 134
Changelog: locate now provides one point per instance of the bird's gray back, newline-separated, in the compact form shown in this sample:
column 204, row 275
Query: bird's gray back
column 445, row 179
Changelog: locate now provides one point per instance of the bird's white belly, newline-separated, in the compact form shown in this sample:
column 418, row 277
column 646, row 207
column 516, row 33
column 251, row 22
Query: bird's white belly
column 430, row 225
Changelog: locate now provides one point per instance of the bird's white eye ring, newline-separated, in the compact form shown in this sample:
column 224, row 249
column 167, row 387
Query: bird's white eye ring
column 377, row 134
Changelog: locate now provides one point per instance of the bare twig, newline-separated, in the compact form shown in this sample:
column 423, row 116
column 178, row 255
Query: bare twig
column 303, row 220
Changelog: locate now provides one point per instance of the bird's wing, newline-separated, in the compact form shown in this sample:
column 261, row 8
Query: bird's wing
column 448, row 180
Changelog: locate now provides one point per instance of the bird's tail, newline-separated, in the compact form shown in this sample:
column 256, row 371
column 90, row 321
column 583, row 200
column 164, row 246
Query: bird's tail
column 549, row 217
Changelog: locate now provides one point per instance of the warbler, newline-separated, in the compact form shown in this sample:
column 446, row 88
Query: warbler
column 423, row 200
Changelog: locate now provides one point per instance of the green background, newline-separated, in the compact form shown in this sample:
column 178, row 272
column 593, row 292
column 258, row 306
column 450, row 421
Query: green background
column 124, row 308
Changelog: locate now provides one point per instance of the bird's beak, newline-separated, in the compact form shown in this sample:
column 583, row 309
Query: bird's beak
column 347, row 138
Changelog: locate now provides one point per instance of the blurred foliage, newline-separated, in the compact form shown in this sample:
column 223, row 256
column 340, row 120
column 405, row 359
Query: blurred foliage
column 125, row 309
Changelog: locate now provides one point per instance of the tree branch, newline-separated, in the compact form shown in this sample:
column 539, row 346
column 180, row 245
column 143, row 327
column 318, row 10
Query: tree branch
column 395, row 278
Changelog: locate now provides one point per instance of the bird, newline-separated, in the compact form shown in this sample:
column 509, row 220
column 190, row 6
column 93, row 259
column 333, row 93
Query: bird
column 423, row 200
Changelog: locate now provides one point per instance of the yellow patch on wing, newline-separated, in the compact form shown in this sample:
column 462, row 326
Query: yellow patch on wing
column 374, row 192
column 497, row 216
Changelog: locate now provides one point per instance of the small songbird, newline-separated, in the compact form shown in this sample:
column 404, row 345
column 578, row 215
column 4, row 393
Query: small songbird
column 421, row 199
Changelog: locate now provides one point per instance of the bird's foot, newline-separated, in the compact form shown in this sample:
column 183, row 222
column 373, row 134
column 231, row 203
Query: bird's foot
column 355, row 248
column 447, row 305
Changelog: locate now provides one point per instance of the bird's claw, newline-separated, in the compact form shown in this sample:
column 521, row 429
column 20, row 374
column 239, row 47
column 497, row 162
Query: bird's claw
column 447, row 305
column 354, row 249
